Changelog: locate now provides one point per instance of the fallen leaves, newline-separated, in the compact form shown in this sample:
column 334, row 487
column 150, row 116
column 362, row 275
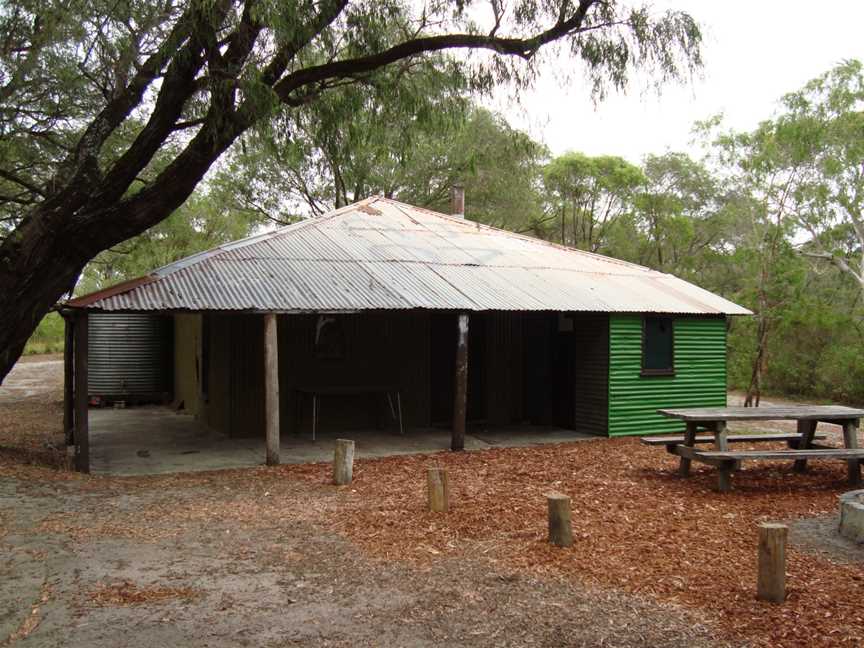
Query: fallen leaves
column 127, row 593
column 32, row 620
column 637, row 527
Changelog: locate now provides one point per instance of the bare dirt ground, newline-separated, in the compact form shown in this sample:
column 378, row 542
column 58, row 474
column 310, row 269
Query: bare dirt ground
column 33, row 376
column 279, row 557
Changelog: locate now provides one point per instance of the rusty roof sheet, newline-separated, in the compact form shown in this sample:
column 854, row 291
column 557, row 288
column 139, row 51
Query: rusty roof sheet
column 383, row 254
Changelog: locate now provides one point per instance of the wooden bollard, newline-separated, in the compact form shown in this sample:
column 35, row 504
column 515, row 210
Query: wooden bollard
column 560, row 524
column 438, row 486
column 771, row 585
column 343, row 462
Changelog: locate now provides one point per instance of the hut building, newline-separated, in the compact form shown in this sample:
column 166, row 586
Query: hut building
column 381, row 310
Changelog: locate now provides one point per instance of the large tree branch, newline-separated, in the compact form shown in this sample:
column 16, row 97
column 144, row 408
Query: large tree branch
column 177, row 87
column 330, row 10
column 521, row 47
column 835, row 260
column 117, row 110
column 29, row 186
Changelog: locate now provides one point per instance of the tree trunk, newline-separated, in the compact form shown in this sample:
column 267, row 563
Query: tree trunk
column 40, row 261
column 754, row 389
column 38, row 265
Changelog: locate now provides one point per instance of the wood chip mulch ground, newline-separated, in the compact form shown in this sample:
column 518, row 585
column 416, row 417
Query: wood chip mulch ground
column 637, row 526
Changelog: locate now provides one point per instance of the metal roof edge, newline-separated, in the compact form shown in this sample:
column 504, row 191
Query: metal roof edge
column 124, row 286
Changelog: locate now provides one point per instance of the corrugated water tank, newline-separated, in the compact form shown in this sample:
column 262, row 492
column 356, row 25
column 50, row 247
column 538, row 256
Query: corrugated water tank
column 130, row 357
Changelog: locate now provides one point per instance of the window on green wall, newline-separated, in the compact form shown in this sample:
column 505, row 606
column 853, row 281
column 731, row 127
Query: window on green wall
column 658, row 346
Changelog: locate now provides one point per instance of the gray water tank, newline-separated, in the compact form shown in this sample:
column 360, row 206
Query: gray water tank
column 130, row 357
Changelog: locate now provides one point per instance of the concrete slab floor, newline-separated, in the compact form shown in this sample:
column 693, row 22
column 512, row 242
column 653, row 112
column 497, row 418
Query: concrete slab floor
column 155, row 440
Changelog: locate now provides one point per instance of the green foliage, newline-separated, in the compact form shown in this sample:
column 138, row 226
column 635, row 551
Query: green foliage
column 48, row 337
column 496, row 164
column 62, row 61
column 588, row 195
column 203, row 222
column 354, row 142
column 413, row 145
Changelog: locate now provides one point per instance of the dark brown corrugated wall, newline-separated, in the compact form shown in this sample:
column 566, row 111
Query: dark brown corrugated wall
column 591, row 373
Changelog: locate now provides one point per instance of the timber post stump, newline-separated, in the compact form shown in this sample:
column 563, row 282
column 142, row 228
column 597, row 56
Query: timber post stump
column 438, row 489
column 771, row 584
column 343, row 462
column 560, row 520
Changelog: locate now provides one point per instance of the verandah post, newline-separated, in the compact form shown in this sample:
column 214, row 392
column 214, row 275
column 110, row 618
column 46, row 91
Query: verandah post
column 271, row 388
column 460, row 392
column 81, row 422
column 68, row 380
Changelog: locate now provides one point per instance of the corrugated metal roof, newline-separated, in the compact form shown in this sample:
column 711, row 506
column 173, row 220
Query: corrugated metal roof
column 383, row 254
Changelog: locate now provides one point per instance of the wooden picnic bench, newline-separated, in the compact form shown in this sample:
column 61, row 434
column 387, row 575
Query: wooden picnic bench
column 801, row 447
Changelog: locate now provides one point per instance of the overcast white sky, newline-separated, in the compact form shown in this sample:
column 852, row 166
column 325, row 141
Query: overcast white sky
column 755, row 51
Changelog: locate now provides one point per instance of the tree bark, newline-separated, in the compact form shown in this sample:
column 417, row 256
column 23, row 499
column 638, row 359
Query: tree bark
column 754, row 389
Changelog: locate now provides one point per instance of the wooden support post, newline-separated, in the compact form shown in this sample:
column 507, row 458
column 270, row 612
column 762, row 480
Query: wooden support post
column 720, row 442
column 689, row 441
column 771, row 585
column 271, row 388
column 81, row 422
column 68, row 381
column 850, row 439
column 807, row 430
column 460, row 395
column 560, row 522
column 724, row 476
column 343, row 462
column 438, row 487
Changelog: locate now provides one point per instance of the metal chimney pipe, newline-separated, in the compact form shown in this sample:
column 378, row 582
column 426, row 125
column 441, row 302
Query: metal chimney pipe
column 457, row 201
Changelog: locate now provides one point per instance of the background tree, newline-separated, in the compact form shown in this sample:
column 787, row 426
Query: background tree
column 377, row 149
column 679, row 214
column 93, row 91
column 587, row 195
column 826, row 119
column 496, row 164
column 353, row 142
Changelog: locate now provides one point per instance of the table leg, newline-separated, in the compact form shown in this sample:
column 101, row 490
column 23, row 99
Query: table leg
column 724, row 471
column 850, row 440
column 807, row 430
column 390, row 405
column 314, row 416
column 720, row 442
column 689, row 441
column 724, row 476
column 399, row 407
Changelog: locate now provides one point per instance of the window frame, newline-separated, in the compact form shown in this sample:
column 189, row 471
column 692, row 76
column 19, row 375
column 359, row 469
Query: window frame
column 668, row 371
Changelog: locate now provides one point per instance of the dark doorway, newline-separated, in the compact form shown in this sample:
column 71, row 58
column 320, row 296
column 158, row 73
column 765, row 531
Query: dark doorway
column 549, row 369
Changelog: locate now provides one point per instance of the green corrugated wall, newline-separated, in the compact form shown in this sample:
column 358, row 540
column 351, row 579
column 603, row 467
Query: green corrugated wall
column 699, row 380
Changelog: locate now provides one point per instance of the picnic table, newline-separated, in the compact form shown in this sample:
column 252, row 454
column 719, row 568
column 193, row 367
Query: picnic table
column 801, row 446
